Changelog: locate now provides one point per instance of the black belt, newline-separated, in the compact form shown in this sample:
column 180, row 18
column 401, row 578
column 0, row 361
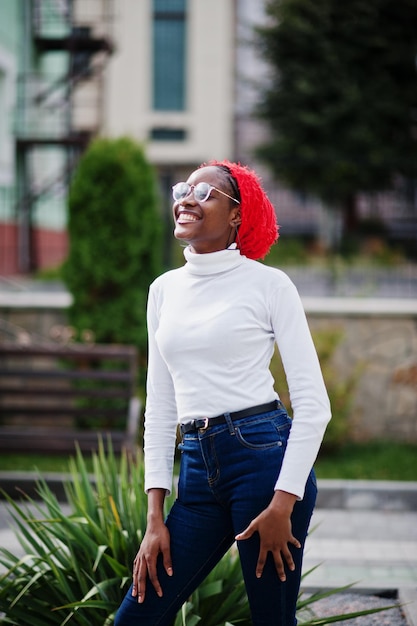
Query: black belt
column 204, row 422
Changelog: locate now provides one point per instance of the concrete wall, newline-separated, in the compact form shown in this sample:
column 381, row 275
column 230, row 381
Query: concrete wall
column 380, row 352
column 378, row 345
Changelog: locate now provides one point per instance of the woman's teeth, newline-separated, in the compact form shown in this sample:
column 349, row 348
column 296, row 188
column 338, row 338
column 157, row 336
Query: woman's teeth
column 187, row 217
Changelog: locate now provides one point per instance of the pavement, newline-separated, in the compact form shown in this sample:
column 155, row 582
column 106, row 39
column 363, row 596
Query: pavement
column 365, row 532
column 375, row 550
column 362, row 532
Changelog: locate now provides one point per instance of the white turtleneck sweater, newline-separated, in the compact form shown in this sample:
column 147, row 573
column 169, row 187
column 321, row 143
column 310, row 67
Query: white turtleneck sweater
column 212, row 326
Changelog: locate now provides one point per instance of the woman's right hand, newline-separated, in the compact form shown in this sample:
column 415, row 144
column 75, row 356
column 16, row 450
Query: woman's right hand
column 156, row 541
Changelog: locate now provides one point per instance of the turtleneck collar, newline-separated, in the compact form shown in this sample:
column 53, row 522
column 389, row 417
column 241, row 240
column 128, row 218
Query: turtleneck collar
column 212, row 262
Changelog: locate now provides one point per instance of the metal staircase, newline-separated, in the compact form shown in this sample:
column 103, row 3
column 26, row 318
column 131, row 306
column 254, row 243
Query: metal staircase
column 59, row 108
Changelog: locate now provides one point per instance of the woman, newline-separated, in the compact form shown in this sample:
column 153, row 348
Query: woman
column 246, row 467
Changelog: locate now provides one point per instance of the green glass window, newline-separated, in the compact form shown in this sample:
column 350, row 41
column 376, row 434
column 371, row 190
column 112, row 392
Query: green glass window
column 168, row 134
column 169, row 53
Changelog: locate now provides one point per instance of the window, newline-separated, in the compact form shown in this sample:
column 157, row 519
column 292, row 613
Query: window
column 169, row 52
column 168, row 134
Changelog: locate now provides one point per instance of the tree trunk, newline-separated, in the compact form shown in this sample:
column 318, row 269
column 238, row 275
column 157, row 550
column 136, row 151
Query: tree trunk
column 350, row 215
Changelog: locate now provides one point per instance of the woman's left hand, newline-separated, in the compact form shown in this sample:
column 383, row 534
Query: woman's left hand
column 275, row 532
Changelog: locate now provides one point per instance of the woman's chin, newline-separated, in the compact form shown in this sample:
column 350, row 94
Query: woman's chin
column 180, row 232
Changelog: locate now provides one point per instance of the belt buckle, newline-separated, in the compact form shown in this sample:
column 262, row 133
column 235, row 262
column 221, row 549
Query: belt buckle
column 205, row 421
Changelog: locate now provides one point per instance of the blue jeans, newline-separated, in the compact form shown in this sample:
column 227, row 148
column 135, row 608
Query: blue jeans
column 227, row 477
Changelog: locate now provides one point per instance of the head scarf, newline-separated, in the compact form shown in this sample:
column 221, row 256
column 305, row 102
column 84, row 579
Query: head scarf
column 258, row 229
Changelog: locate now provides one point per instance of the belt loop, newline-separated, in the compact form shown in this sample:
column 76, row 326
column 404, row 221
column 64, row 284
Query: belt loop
column 229, row 422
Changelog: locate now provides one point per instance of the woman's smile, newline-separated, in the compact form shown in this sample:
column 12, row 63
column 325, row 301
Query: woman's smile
column 184, row 217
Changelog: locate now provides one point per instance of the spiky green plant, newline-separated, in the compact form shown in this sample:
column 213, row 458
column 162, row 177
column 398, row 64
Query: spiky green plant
column 221, row 601
column 77, row 557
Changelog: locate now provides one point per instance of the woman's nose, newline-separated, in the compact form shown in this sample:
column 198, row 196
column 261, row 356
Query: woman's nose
column 189, row 198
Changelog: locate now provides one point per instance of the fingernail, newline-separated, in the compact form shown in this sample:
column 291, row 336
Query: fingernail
column 169, row 571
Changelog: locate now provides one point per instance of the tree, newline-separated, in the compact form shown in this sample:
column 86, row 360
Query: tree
column 342, row 99
column 115, row 242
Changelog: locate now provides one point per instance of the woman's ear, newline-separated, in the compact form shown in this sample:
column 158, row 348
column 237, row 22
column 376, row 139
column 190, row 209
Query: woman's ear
column 236, row 220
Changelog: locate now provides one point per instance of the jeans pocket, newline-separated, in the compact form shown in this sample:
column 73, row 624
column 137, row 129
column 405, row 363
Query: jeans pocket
column 262, row 435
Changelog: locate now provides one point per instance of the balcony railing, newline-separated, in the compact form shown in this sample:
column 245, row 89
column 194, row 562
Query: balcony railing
column 83, row 27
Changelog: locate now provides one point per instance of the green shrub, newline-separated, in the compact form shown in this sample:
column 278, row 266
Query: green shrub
column 288, row 251
column 115, row 242
column 76, row 566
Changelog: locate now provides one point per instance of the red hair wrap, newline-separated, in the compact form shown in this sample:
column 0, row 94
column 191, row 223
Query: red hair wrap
column 258, row 229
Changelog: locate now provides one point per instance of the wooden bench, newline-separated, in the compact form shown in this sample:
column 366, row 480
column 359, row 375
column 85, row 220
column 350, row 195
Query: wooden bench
column 52, row 396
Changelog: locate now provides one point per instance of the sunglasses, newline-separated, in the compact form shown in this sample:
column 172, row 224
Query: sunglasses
column 201, row 192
